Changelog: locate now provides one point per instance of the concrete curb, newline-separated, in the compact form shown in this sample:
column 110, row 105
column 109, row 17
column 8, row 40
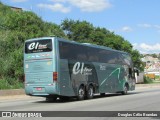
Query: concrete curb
column 22, row 91
column 12, row 92
column 148, row 85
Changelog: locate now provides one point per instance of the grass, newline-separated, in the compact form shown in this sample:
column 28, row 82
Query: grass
column 157, row 77
column 10, row 83
column 156, row 82
column 148, row 80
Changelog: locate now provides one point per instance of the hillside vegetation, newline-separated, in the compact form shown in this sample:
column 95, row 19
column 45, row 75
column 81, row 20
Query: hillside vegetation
column 16, row 27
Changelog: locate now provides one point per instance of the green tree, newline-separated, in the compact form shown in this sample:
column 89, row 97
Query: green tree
column 154, row 55
column 76, row 30
column 136, row 57
column 15, row 28
column 53, row 29
column 83, row 31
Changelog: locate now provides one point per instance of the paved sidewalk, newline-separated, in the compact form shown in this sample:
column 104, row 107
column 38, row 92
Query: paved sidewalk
column 13, row 97
column 10, row 92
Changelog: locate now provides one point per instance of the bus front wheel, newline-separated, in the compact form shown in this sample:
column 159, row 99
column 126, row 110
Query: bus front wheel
column 125, row 90
column 81, row 93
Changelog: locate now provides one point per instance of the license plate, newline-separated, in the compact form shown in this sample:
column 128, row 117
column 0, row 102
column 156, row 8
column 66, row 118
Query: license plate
column 39, row 89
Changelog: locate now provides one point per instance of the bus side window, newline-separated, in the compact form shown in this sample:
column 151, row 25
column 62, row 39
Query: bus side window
column 93, row 58
column 104, row 56
column 92, row 55
column 82, row 57
column 67, row 51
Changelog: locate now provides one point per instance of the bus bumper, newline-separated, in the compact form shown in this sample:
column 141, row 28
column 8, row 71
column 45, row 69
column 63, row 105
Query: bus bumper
column 41, row 91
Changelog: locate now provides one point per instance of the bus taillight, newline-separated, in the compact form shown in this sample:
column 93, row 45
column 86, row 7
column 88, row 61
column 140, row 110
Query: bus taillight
column 55, row 76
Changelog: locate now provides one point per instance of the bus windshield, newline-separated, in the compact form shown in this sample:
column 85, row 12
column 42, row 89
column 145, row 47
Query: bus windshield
column 38, row 46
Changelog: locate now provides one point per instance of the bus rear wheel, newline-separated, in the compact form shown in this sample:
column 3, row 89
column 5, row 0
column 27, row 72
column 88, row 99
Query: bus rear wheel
column 90, row 92
column 81, row 93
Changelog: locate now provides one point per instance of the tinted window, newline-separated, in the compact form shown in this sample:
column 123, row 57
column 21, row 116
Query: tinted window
column 38, row 46
column 93, row 54
column 72, row 51
column 126, row 59
column 84, row 53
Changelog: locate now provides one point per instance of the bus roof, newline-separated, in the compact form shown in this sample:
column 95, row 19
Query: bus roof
column 74, row 42
column 91, row 45
column 40, row 38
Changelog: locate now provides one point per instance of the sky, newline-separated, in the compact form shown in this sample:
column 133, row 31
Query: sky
column 137, row 21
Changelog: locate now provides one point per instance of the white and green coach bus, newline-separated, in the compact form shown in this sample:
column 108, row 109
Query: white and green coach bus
column 55, row 67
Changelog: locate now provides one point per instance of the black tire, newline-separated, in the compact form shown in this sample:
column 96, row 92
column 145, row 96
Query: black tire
column 90, row 92
column 64, row 98
column 102, row 94
column 125, row 90
column 81, row 93
column 51, row 99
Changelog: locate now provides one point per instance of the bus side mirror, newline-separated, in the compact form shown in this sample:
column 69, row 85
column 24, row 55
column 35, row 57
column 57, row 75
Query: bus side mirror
column 136, row 71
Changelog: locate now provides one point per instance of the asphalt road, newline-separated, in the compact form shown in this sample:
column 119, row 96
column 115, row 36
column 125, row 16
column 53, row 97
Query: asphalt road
column 142, row 99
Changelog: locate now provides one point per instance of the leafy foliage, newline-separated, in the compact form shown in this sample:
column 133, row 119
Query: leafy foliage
column 86, row 32
column 147, row 80
column 16, row 27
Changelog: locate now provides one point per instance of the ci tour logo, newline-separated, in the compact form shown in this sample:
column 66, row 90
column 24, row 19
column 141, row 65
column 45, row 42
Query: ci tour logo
column 80, row 68
column 36, row 46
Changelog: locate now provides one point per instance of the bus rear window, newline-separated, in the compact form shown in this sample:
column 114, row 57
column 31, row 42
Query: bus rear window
column 38, row 46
